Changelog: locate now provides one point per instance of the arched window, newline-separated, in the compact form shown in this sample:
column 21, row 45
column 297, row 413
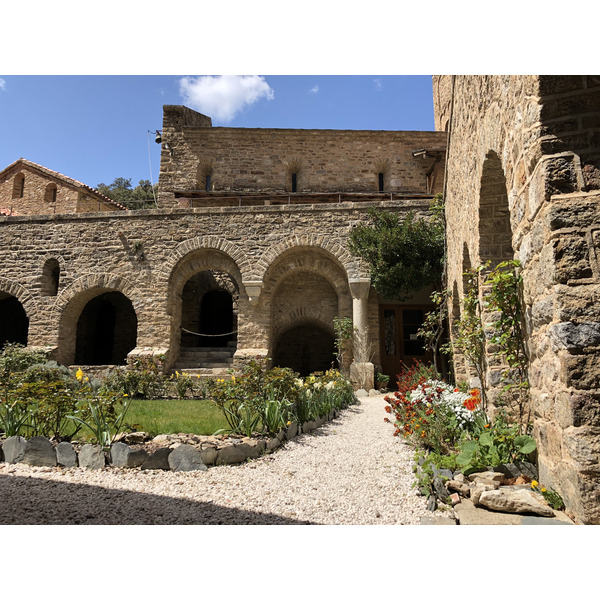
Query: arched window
column 50, row 195
column 50, row 277
column 19, row 186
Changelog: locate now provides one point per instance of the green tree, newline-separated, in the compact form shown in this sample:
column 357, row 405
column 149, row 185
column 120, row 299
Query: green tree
column 404, row 254
column 120, row 191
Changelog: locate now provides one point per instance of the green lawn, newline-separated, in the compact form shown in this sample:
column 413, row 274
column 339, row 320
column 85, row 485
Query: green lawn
column 201, row 417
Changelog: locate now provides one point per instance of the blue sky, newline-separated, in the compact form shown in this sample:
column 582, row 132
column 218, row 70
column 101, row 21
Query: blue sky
column 95, row 128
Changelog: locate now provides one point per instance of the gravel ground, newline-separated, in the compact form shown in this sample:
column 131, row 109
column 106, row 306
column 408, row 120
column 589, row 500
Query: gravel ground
column 351, row 471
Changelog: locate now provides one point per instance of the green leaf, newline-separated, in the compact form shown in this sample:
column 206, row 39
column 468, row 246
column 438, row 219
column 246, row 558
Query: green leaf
column 525, row 444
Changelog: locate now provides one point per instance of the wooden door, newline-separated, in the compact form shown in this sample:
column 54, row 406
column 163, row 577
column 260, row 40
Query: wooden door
column 399, row 344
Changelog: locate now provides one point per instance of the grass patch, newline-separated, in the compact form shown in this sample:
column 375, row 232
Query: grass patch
column 201, row 417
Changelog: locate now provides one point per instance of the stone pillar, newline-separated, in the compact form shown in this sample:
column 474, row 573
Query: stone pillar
column 361, row 370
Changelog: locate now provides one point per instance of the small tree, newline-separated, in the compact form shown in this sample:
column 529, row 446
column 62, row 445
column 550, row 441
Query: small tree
column 404, row 255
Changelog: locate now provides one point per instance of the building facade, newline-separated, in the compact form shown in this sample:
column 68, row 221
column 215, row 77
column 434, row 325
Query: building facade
column 523, row 183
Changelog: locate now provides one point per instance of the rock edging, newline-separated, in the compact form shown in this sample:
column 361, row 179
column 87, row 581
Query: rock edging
column 174, row 452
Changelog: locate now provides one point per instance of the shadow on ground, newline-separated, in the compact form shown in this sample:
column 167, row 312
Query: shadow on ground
column 30, row 501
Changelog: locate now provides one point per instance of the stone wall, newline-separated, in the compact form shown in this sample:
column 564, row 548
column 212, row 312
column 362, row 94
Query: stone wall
column 522, row 170
column 148, row 256
column 263, row 160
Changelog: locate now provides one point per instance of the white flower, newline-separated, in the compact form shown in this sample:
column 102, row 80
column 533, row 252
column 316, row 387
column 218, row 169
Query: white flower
column 330, row 385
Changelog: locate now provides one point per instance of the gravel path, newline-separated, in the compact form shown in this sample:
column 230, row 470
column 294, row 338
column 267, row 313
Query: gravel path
column 350, row 471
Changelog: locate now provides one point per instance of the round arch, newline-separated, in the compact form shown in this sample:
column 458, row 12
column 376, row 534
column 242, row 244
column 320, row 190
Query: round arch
column 14, row 323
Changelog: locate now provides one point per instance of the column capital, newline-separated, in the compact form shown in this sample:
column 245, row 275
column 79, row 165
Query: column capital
column 359, row 287
column 253, row 289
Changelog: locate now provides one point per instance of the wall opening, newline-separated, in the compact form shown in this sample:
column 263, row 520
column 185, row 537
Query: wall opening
column 106, row 330
column 305, row 349
column 14, row 324
column 495, row 234
column 294, row 182
column 19, row 186
column 380, row 181
column 209, row 310
column 50, row 194
column 50, row 277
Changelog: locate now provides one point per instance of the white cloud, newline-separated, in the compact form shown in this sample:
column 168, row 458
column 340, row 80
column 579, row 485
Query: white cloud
column 314, row 90
column 378, row 84
column 222, row 97
column 2, row 84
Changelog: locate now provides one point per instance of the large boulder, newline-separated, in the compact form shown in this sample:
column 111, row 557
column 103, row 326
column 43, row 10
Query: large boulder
column 92, row 457
column 186, row 458
column 512, row 499
column 39, row 452
column 13, row 449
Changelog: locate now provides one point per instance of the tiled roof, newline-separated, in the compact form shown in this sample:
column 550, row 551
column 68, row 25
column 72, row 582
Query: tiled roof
column 65, row 179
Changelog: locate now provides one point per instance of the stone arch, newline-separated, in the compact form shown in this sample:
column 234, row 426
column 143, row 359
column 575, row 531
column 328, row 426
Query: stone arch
column 495, row 232
column 305, row 346
column 14, row 323
column 11, row 288
column 188, row 250
column 71, row 302
column 50, row 193
column 199, row 255
column 351, row 266
column 18, row 186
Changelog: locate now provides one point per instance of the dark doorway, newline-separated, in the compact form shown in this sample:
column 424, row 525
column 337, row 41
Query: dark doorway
column 305, row 349
column 216, row 319
column 399, row 343
column 106, row 330
column 14, row 324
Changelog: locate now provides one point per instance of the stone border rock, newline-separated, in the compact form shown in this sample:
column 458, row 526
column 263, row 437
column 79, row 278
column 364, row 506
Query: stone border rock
column 170, row 452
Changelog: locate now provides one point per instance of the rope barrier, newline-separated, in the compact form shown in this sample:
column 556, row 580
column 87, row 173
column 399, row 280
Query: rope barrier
column 208, row 334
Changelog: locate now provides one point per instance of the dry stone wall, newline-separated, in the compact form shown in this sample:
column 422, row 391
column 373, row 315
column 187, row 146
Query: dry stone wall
column 523, row 153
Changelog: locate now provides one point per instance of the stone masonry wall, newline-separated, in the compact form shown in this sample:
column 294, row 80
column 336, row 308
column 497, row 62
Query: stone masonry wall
column 149, row 255
column 523, row 152
column 263, row 160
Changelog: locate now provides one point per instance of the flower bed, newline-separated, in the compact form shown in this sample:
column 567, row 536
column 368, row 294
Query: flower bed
column 450, row 431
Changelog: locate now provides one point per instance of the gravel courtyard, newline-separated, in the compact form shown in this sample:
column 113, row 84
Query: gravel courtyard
column 351, row 471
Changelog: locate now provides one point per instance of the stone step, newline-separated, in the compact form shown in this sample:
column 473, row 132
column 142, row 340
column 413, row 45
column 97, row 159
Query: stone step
column 180, row 365
column 205, row 373
column 205, row 355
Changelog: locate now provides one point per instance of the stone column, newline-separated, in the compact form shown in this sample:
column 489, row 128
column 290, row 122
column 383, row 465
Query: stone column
column 362, row 371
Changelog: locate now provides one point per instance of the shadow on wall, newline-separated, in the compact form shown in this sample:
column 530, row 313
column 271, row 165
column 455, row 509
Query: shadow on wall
column 30, row 501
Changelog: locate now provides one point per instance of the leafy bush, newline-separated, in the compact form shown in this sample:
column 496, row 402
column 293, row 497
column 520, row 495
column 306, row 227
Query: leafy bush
column 142, row 379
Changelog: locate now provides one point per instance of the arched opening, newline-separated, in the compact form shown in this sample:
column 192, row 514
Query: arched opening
column 305, row 348
column 18, row 186
column 106, row 330
column 50, row 194
column 14, row 324
column 50, row 277
column 209, row 311
column 495, row 233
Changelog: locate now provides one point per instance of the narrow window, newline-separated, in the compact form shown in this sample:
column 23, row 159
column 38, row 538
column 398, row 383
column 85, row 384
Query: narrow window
column 294, row 182
column 50, row 278
column 207, row 186
column 380, row 179
column 19, row 186
column 50, row 195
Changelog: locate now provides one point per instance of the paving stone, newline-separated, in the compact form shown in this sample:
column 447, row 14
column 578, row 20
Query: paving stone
column 438, row 521
column 468, row 514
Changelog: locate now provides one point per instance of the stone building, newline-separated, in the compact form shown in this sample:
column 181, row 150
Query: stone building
column 246, row 255
column 27, row 188
column 523, row 181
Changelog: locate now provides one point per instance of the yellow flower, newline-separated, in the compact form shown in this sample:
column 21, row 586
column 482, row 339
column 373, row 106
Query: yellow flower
column 125, row 395
column 543, row 490
column 79, row 374
column 534, row 484
column 289, row 422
